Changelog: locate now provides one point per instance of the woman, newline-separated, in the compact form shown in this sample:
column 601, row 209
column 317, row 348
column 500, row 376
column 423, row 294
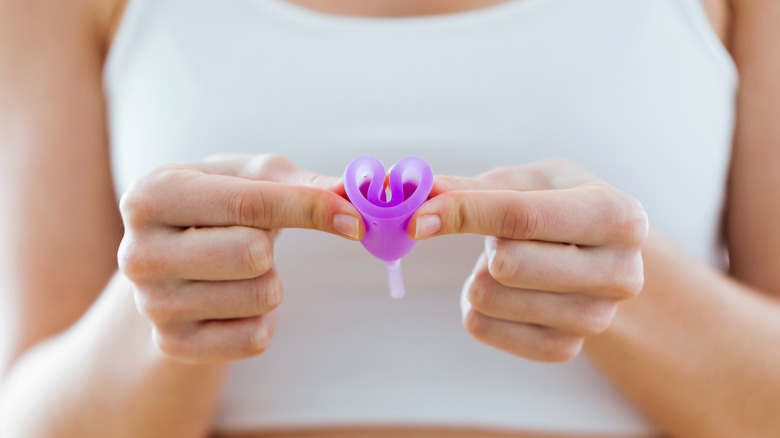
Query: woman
column 640, row 95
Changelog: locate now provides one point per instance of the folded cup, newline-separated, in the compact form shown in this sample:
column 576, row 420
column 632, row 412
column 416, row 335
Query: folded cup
column 387, row 202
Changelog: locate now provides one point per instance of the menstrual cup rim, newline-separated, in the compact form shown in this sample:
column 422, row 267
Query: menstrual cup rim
column 417, row 198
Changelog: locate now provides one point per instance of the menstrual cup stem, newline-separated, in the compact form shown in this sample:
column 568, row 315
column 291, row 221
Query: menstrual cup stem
column 396, row 279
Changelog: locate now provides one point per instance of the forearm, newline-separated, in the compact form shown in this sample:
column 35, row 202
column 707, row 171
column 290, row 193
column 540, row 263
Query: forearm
column 104, row 374
column 696, row 351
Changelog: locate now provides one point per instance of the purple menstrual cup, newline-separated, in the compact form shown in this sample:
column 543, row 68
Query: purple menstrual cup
column 386, row 204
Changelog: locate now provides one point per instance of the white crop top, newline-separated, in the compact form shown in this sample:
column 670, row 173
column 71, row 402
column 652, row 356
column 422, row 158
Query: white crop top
column 640, row 92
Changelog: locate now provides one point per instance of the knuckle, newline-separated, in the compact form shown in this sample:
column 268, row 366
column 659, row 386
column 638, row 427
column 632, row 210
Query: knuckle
column 630, row 223
column 172, row 343
column 153, row 307
column 627, row 280
column 275, row 294
column 131, row 204
column 509, row 222
column 632, row 284
column 480, row 296
column 318, row 212
column 140, row 200
column 464, row 209
column 523, row 223
column 634, row 226
column 258, row 258
column 482, row 275
column 551, row 167
column 320, row 181
column 557, row 347
column 160, row 177
column 593, row 316
column 268, row 292
column 134, row 262
column 162, row 174
column 449, row 182
column 559, row 173
column 267, row 166
column 134, row 205
column 125, row 257
column 247, row 208
column 500, row 173
column 255, row 347
column 504, row 266
column 477, row 324
column 276, row 160
column 257, row 343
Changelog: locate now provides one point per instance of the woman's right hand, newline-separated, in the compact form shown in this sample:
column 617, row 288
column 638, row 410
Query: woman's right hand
column 198, row 247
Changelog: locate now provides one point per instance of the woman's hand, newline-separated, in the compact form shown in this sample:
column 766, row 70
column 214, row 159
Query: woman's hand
column 562, row 250
column 198, row 246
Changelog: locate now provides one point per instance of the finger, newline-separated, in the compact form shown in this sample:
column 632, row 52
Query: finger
column 520, row 178
column 593, row 214
column 544, row 175
column 601, row 271
column 216, row 341
column 208, row 300
column 568, row 313
column 267, row 167
column 525, row 340
column 210, row 253
column 447, row 183
column 185, row 197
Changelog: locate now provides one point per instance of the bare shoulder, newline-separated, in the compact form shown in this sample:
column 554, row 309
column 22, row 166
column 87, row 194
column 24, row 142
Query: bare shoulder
column 112, row 14
column 720, row 15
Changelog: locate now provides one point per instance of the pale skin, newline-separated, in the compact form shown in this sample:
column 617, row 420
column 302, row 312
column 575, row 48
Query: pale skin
column 69, row 337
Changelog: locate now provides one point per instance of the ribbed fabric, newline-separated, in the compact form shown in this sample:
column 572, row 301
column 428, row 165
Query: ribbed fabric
column 639, row 92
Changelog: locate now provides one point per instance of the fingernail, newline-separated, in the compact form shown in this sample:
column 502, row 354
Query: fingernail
column 347, row 225
column 427, row 225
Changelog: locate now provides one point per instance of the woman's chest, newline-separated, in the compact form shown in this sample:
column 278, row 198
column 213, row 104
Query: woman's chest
column 634, row 94
column 545, row 84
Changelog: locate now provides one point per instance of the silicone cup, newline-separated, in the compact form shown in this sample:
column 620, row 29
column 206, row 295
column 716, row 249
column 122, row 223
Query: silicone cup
column 409, row 182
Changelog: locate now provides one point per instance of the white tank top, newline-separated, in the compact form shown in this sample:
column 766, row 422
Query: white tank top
column 639, row 92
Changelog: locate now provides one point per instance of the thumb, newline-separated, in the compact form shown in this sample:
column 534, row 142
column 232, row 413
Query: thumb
column 275, row 168
column 303, row 177
column 349, row 222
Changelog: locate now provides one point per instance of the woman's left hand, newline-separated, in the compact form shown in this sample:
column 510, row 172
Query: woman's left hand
column 562, row 249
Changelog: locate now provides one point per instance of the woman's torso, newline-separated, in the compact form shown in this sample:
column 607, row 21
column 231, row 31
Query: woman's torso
column 641, row 93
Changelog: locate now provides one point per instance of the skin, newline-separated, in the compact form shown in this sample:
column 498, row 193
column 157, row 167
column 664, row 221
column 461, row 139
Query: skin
column 58, row 356
column 202, row 269
column 562, row 249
